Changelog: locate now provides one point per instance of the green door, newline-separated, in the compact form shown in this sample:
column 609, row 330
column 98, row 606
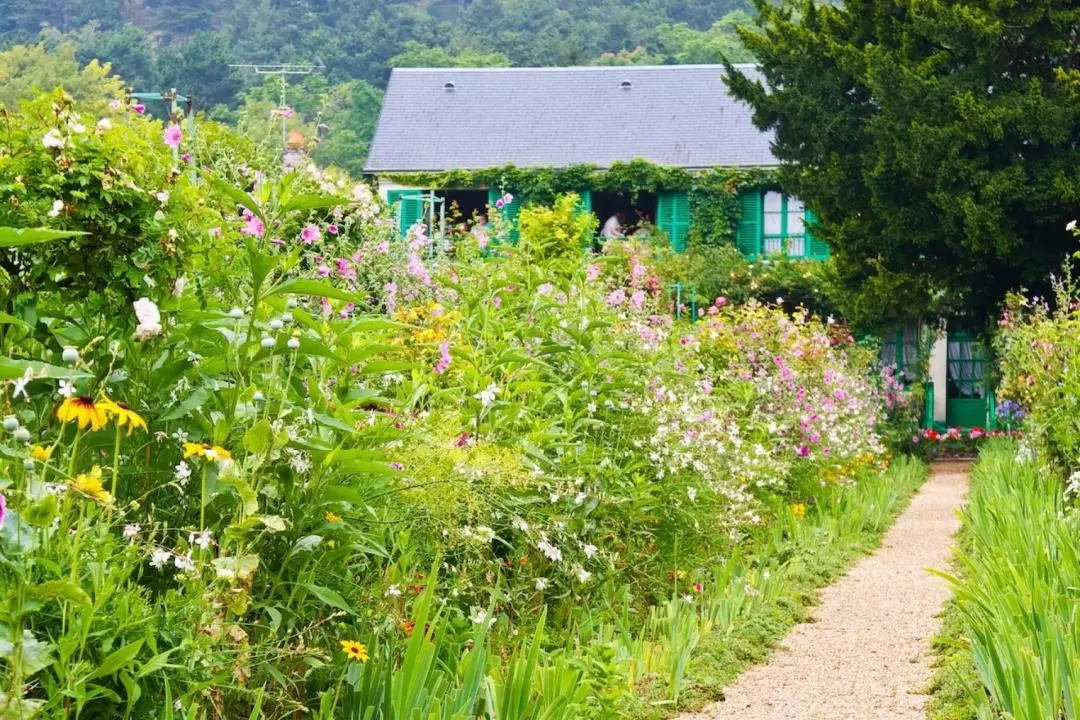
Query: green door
column 673, row 218
column 748, row 231
column 966, row 392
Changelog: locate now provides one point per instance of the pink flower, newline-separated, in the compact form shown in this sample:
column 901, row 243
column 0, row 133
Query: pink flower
column 707, row 386
column 499, row 204
column 347, row 311
column 3, row 509
column 186, row 157
column 115, row 104
column 391, row 297
column 254, row 227
column 139, row 108
column 277, row 241
column 545, row 289
column 444, row 358
column 721, row 302
column 173, row 136
column 310, row 234
column 496, row 301
column 593, row 272
column 286, row 112
column 616, row 298
column 383, row 247
column 324, row 271
column 637, row 300
column 332, row 228
column 215, row 232
column 804, row 451
column 397, row 466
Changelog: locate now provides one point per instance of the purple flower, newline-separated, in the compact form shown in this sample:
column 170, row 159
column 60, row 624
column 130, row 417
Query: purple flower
column 637, row 300
column 332, row 228
column 383, row 247
column 3, row 509
column 310, row 234
column 496, row 301
column 391, row 297
column 186, row 157
column 804, row 451
column 324, row 271
column 286, row 112
column 593, row 272
column 173, row 136
column 499, row 204
column 397, row 466
column 616, row 298
column 139, row 108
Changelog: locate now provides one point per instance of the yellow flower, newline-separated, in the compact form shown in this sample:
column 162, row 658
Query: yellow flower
column 331, row 517
column 81, row 409
column 799, row 510
column 355, row 650
column 123, row 414
column 213, row 453
column 90, row 484
column 41, row 454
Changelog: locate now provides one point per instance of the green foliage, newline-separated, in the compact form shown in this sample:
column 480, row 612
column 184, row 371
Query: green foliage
column 417, row 55
column 934, row 141
column 561, row 230
column 25, row 70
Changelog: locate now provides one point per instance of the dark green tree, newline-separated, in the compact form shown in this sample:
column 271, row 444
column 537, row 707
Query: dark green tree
column 937, row 140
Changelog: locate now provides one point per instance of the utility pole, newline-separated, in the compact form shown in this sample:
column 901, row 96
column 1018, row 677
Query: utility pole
column 283, row 70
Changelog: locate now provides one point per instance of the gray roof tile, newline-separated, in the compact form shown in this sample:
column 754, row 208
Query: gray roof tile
column 680, row 115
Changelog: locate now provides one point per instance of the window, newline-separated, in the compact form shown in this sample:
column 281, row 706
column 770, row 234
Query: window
column 901, row 349
column 783, row 224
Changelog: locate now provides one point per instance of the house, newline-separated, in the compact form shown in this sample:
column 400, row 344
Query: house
column 464, row 135
column 668, row 145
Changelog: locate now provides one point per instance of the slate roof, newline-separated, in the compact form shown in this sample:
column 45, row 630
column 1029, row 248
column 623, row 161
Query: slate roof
column 679, row 115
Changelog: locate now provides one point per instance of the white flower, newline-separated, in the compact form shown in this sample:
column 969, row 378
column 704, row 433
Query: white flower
column 550, row 551
column 53, row 139
column 163, row 197
column 1071, row 225
column 393, row 591
column 583, row 575
column 591, row 407
column 554, row 498
column 77, row 128
column 159, row 216
column 19, row 384
column 479, row 616
column 194, row 358
column 579, row 498
column 131, row 531
column 691, row 492
column 541, row 583
column 149, row 319
column 589, row 550
column 182, row 472
column 485, row 534
column 178, row 286
column 159, row 558
column 520, row 524
column 57, row 208
column 688, row 599
column 201, row 539
column 183, row 562
column 104, row 124
column 487, row 396
column 66, row 388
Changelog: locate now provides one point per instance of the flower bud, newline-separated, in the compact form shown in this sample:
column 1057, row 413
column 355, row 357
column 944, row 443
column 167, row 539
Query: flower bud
column 294, row 343
column 236, row 313
column 276, row 324
column 71, row 355
column 268, row 342
column 22, row 435
column 11, row 423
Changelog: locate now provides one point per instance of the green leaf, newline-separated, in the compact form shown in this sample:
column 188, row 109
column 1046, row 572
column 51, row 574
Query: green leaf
column 330, row 597
column 314, row 202
column 261, row 263
column 233, row 568
column 42, row 513
column 385, row 366
column 155, row 663
column 60, row 590
column 17, row 237
column 316, row 288
column 259, row 438
column 11, row 368
column 276, row 523
column 35, row 653
column 194, row 401
column 236, row 195
column 118, row 659
column 6, row 319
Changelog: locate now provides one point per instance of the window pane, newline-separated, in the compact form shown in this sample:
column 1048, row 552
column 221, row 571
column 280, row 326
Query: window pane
column 773, row 245
column 796, row 247
column 795, row 225
column 773, row 202
column 772, row 223
column 795, row 204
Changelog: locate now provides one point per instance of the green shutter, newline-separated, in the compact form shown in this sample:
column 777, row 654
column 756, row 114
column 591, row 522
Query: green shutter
column 673, row 218
column 748, row 231
column 407, row 205
column 815, row 248
column 586, row 200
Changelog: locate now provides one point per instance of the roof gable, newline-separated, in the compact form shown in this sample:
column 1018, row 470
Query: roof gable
column 468, row 119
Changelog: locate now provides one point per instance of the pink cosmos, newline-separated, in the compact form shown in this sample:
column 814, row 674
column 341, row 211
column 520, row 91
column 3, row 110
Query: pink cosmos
column 804, row 451
column 332, row 229
column 383, row 248
column 310, row 234
column 357, row 257
column 139, row 108
column 444, row 358
column 173, row 136
column 686, row 340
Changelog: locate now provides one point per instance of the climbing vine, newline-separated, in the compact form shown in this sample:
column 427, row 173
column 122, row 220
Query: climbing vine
column 713, row 192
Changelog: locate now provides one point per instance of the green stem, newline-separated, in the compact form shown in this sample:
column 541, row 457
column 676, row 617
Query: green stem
column 202, row 500
column 116, row 463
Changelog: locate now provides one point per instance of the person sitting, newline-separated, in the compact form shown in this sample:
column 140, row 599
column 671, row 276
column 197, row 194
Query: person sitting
column 613, row 227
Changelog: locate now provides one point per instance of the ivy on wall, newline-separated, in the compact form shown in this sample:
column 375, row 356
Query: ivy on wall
column 713, row 192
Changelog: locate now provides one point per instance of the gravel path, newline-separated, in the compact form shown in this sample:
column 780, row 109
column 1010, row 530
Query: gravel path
column 866, row 654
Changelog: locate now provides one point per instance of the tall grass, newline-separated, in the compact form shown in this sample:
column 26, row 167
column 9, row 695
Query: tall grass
column 1018, row 590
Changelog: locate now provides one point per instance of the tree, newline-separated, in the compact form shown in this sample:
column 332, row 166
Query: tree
column 937, row 141
column 718, row 44
column 25, row 69
column 417, row 54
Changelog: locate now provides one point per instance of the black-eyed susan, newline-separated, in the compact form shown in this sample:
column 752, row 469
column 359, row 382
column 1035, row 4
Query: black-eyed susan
column 123, row 414
column 41, row 454
column 355, row 650
column 83, row 410
column 90, row 484
column 213, row 453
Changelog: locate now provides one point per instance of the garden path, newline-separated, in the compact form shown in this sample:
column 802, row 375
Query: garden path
column 866, row 653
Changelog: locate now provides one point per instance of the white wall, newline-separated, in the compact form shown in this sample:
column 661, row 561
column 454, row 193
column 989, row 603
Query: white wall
column 939, row 367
